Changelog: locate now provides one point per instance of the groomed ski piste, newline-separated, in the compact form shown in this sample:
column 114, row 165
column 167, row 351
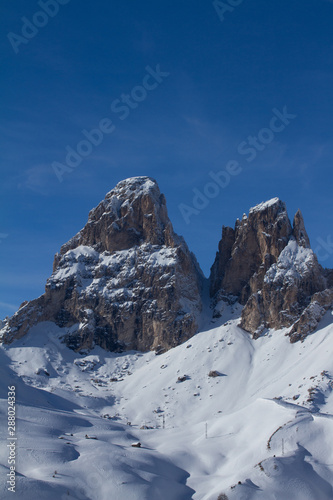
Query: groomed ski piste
column 220, row 414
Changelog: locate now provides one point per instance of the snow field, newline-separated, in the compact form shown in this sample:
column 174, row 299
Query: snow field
column 269, row 416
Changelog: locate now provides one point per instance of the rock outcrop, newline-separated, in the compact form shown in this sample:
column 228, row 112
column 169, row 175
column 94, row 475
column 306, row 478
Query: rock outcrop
column 321, row 302
column 246, row 252
column 268, row 265
column 125, row 281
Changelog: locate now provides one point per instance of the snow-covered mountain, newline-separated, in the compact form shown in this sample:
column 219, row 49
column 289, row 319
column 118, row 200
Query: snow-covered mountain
column 127, row 281
column 226, row 383
column 268, row 266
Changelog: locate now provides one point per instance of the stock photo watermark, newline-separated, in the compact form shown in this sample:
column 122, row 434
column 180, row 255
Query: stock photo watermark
column 226, row 6
column 249, row 148
column 121, row 107
column 12, row 439
column 30, row 27
column 324, row 249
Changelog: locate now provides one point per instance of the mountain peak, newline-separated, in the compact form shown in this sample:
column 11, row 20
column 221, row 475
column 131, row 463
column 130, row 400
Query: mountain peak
column 133, row 212
column 133, row 187
column 299, row 230
column 264, row 205
column 125, row 281
column 252, row 246
column 268, row 266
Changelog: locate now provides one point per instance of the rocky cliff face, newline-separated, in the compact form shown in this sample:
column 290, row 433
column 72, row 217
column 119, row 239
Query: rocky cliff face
column 125, row 281
column 248, row 250
column 269, row 267
column 320, row 303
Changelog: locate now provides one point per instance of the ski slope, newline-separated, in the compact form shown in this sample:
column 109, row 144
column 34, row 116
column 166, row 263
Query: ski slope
column 261, row 428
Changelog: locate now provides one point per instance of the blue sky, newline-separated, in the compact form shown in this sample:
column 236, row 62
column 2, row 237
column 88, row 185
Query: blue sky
column 227, row 71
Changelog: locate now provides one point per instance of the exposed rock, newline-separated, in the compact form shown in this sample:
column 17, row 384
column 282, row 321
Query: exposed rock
column 250, row 249
column 286, row 290
column 134, row 212
column 222, row 258
column 299, row 231
column 328, row 273
column 320, row 303
column 269, row 266
column 125, row 281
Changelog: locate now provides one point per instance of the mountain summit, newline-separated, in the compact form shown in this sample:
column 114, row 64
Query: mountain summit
column 268, row 266
column 127, row 281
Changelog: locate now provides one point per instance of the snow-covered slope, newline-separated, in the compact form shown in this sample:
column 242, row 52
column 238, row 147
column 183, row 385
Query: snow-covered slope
column 221, row 413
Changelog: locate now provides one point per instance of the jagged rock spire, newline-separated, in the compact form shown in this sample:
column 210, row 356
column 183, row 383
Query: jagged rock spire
column 269, row 267
column 299, row 230
column 251, row 247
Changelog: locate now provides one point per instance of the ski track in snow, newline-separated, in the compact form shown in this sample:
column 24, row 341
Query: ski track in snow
column 268, row 415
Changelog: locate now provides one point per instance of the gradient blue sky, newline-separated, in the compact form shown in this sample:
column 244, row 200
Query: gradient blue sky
column 225, row 79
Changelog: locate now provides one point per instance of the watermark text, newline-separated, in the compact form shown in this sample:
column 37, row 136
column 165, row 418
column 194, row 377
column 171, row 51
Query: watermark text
column 122, row 108
column 31, row 27
column 11, row 481
column 227, row 6
column 248, row 148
